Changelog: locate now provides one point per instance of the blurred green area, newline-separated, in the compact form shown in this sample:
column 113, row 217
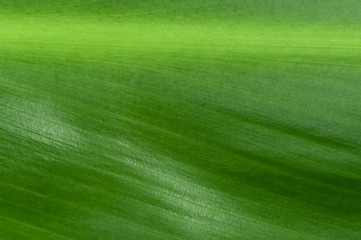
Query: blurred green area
column 234, row 10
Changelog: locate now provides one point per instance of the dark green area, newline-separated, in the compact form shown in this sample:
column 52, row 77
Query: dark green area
column 324, row 11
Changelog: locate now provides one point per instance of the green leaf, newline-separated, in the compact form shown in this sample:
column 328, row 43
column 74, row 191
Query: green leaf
column 185, row 119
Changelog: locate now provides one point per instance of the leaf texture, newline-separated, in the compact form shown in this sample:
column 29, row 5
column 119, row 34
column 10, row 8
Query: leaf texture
column 184, row 119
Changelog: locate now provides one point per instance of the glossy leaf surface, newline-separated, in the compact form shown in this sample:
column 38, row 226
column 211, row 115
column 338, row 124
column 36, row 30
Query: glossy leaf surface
column 180, row 119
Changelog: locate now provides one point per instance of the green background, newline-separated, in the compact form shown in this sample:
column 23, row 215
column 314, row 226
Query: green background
column 184, row 119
